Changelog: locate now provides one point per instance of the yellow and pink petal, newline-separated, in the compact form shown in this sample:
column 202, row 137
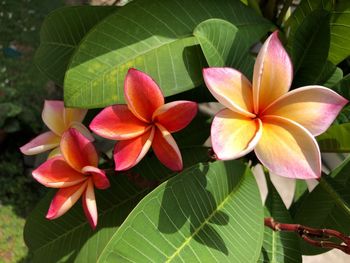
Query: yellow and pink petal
column 77, row 150
column 53, row 116
column 288, row 149
column 166, row 149
column 231, row 88
column 313, row 107
column 234, row 135
column 273, row 73
column 176, row 115
column 42, row 143
column 128, row 153
column 142, row 94
column 89, row 204
column 64, row 199
column 56, row 173
column 73, row 115
column 118, row 123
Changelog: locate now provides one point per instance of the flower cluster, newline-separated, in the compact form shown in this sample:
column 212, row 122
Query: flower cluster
column 263, row 116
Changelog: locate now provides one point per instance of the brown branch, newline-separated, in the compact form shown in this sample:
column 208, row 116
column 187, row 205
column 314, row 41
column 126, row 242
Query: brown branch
column 313, row 236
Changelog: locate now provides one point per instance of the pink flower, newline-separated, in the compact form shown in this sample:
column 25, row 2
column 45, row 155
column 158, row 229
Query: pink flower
column 75, row 173
column 279, row 125
column 143, row 122
column 58, row 119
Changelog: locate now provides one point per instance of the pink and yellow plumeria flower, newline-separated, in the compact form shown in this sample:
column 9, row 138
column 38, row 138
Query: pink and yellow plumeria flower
column 143, row 122
column 58, row 119
column 75, row 173
column 279, row 125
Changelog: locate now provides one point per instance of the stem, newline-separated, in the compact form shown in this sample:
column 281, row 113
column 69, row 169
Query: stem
column 283, row 12
column 313, row 236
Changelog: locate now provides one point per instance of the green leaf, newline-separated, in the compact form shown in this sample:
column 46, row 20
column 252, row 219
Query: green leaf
column 70, row 238
column 340, row 31
column 310, row 46
column 279, row 246
column 154, row 36
column 208, row 213
column 325, row 206
column 224, row 45
column 334, row 79
column 343, row 87
column 61, row 33
column 335, row 139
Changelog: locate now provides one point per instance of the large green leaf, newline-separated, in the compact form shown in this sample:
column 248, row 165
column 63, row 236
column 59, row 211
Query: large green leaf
column 154, row 36
column 61, row 33
column 278, row 246
column 335, row 139
column 343, row 87
column 208, row 213
column 326, row 206
column 340, row 19
column 309, row 48
column 70, row 238
column 222, row 45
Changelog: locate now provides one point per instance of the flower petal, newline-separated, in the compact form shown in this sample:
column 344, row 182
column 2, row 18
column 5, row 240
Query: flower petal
column 176, row 115
column 52, row 116
column 273, row 73
column 73, row 115
column 99, row 177
column 89, row 204
column 313, row 107
column 77, row 150
column 234, row 135
column 166, row 149
column 142, row 94
column 55, row 152
column 82, row 129
column 64, row 199
column 42, row 143
column 128, row 153
column 288, row 149
column 118, row 123
column 56, row 173
column 231, row 88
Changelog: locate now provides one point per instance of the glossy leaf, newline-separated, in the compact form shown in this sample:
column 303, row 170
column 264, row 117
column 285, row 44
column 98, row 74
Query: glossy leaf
column 343, row 87
column 208, row 213
column 335, row 139
column 154, row 36
column 310, row 48
column 326, row 206
column 224, row 45
column 278, row 246
column 70, row 238
column 60, row 35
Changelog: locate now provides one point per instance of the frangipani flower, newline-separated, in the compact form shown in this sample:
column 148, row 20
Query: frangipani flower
column 75, row 173
column 143, row 122
column 279, row 125
column 58, row 119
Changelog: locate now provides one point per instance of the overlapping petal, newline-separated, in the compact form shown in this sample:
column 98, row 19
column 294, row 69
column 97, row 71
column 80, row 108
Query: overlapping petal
column 118, row 123
column 82, row 129
column 288, row 149
column 231, row 88
column 128, row 153
column 64, row 199
column 313, row 107
column 56, row 173
column 77, row 150
column 42, row 143
column 142, row 94
column 89, row 204
column 234, row 135
column 166, row 149
column 273, row 73
column 53, row 116
column 99, row 177
column 176, row 115
column 73, row 115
